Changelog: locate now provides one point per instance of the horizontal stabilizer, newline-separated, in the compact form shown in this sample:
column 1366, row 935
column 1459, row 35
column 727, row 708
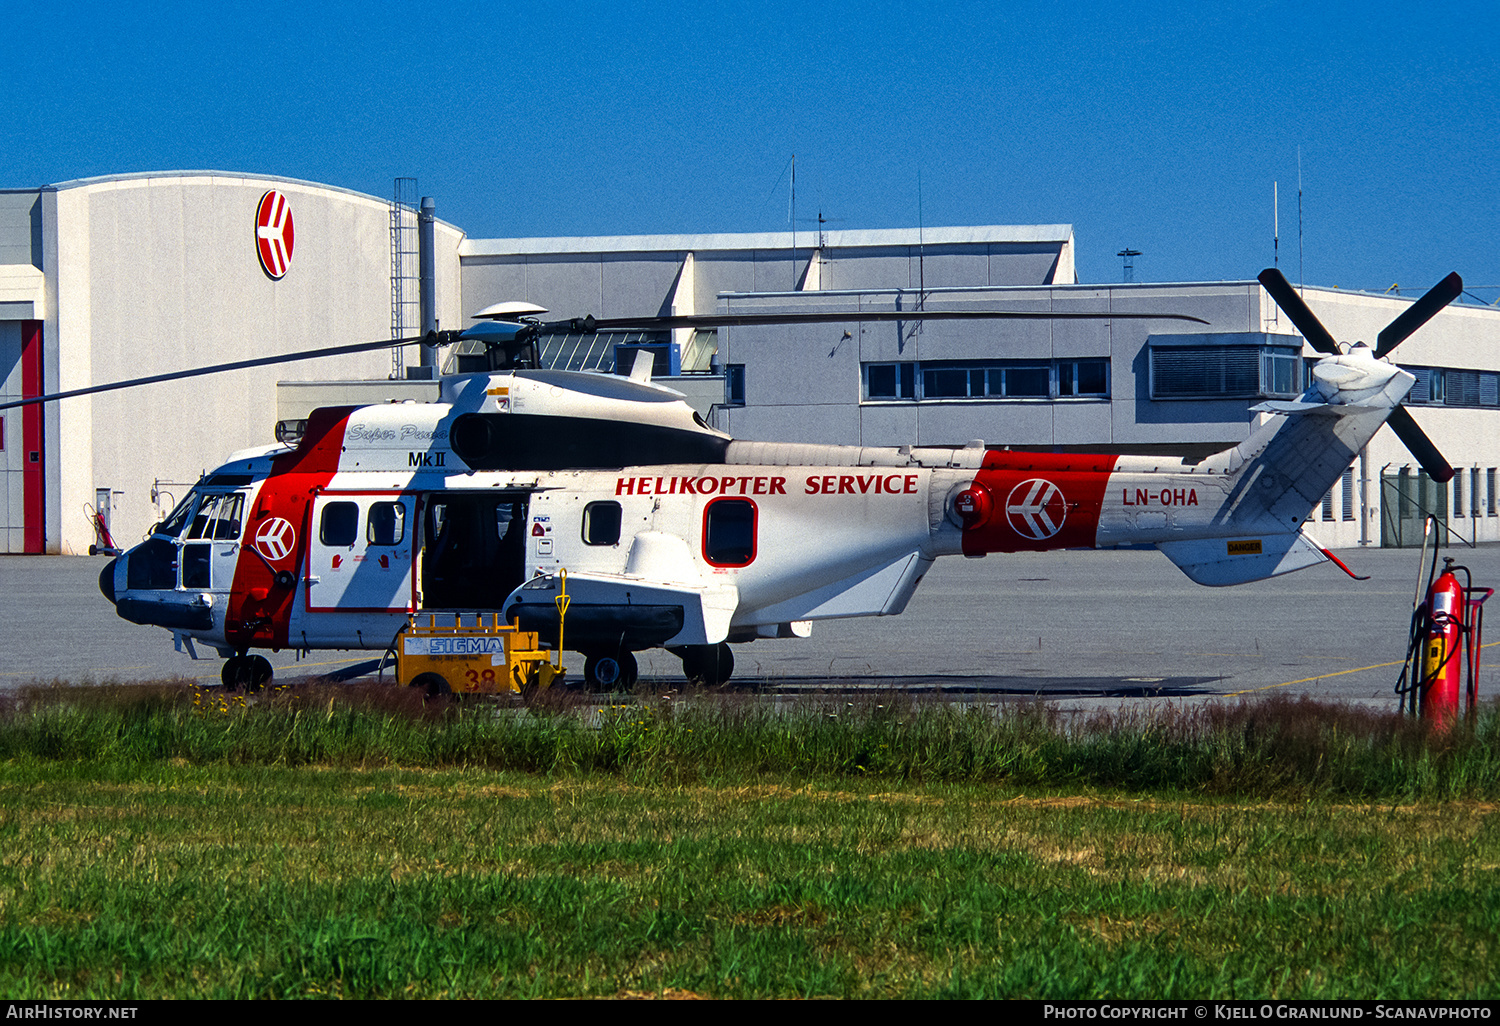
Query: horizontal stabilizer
column 1298, row 406
column 1218, row 562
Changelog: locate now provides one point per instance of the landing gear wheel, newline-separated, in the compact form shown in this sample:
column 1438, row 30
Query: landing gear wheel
column 431, row 684
column 708, row 665
column 250, row 672
column 614, row 672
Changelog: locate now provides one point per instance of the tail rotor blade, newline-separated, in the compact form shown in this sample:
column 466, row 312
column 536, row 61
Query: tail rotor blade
column 1419, row 445
column 1419, row 313
column 1274, row 282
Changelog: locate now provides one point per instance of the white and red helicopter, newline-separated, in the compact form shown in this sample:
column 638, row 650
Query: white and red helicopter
column 673, row 534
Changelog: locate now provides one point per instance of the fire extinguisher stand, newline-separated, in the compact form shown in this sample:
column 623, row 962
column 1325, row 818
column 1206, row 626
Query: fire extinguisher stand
column 1447, row 629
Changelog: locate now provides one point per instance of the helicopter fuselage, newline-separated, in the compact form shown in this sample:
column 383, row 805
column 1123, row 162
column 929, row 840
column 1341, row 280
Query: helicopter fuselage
column 670, row 533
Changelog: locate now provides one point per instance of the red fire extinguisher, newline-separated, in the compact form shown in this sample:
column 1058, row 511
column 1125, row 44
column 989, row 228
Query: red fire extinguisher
column 1446, row 637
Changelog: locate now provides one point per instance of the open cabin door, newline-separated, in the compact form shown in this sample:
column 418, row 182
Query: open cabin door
column 473, row 548
column 359, row 558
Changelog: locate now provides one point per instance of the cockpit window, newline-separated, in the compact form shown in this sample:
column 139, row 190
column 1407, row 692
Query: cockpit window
column 172, row 526
column 218, row 518
column 228, row 525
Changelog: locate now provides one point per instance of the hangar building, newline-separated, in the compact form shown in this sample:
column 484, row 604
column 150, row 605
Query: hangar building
column 132, row 275
column 126, row 276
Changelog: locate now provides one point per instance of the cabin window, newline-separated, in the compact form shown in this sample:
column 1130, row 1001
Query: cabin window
column 729, row 532
column 601, row 523
column 340, row 524
column 387, row 524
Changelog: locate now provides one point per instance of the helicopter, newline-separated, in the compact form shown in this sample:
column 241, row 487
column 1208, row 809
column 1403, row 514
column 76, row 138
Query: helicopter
column 670, row 533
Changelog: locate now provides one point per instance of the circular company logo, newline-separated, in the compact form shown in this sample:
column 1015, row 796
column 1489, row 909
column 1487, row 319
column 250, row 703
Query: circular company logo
column 275, row 539
column 1036, row 509
column 274, row 234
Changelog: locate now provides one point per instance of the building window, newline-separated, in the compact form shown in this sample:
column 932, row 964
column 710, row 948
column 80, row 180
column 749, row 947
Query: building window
column 1474, row 490
column 1025, row 382
column 1348, row 510
column 1328, row 505
column 986, row 379
column 1224, row 372
column 1280, row 372
column 1458, row 494
column 1451, row 386
column 734, row 384
column 890, row 381
column 1082, row 377
column 953, row 383
column 1489, row 490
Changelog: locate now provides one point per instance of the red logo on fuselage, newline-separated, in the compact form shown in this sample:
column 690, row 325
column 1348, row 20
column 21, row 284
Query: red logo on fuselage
column 1036, row 509
column 274, row 234
column 275, row 539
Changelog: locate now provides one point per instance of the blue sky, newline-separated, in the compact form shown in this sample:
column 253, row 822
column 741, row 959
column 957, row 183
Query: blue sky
column 1158, row 126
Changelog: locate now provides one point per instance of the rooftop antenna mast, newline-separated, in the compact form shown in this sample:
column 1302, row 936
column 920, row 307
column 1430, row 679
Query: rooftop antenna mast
column 1301, row 275
column 1275, row 225
column 921, row 253
column 1129, row 255
column 792, row 217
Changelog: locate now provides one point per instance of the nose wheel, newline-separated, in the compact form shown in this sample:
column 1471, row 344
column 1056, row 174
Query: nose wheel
column 246, row 672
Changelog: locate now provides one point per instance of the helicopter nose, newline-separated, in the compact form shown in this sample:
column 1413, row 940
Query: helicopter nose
column 107, row 580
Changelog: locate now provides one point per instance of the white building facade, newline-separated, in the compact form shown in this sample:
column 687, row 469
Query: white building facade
column 128, row 276
column 122, row 277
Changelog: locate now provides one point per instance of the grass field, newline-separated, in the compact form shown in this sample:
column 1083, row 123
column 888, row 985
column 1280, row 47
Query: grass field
column 353, row 843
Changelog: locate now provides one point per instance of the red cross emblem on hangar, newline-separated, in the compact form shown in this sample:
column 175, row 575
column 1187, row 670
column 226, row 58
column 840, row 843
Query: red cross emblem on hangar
column 274, row 234
column 1036, row 509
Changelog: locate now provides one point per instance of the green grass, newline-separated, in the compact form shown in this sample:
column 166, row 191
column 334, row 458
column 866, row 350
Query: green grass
column 348, row 843
column 1277, row 748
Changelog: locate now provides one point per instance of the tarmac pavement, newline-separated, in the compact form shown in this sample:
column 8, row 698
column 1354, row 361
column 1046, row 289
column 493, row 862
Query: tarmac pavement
column 1076, row 626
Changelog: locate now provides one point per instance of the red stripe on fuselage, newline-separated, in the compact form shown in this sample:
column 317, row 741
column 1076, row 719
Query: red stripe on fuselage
column 1039, row 501
column 260, row 610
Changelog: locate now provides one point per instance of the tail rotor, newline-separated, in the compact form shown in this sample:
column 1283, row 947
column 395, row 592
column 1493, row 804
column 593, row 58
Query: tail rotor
column 1419, row 313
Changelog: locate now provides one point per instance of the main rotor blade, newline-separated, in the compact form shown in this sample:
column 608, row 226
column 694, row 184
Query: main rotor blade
column 1419, row 445
column 1419, row 313
column 264, row 361
column 751, row 320
column 616, row 323
column 1274, row 282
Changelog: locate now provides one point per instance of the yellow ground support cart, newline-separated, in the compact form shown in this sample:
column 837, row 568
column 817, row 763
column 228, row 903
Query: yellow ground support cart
column 484, row 656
